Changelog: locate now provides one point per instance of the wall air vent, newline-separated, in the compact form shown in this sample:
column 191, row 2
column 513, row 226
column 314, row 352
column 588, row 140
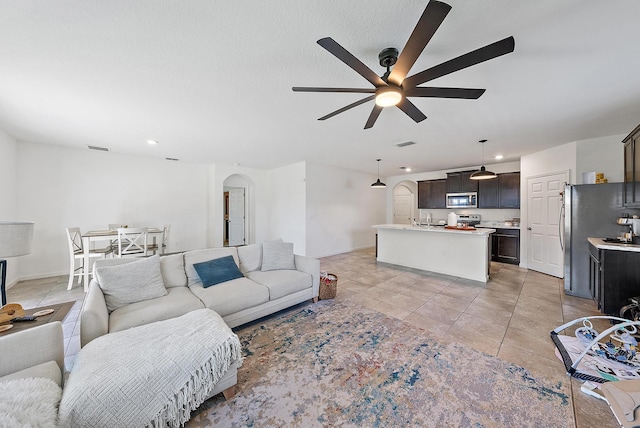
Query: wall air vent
column 172, row 159
column 100, row 149
column 405, row 144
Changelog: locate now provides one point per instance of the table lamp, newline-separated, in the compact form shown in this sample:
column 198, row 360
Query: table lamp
column 15, row 240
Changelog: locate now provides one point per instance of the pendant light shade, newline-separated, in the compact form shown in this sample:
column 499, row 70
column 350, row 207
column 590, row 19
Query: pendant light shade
column 378, row 183
column 483, row 174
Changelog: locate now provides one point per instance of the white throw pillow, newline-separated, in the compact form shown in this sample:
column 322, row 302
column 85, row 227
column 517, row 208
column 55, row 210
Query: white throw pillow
column 131, row 282
column 29, row 402
column 172, row 268
column 277, row 256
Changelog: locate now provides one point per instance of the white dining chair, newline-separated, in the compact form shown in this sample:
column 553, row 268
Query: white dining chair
column 76, row 252
column 162, row 247
column 114, row 242
column 132, row 241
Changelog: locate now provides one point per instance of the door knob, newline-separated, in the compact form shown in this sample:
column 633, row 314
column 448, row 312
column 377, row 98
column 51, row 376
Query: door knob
column 528, row 228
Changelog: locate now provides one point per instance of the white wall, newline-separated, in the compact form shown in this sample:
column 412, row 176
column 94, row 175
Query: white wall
column 9, row 208
column 604, row 155
column 287, row 202
column 64, row 187
column 341, row 208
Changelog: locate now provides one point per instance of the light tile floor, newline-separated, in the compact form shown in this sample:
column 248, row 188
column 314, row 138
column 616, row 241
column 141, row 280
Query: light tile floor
column 509, row 317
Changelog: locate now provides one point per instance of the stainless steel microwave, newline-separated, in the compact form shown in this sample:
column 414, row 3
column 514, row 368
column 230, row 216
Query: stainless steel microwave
column 462, row 200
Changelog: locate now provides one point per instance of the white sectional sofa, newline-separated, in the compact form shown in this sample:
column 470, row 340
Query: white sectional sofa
column 257, row 294
column 37, row 352
column 31, row 376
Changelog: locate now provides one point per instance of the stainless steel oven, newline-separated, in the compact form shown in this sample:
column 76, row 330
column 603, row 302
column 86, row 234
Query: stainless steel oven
column 462, row 200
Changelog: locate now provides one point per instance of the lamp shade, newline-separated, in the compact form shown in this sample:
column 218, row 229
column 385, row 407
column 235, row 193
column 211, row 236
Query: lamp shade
column 483, row 174
column 15, row 238
column 378, row 184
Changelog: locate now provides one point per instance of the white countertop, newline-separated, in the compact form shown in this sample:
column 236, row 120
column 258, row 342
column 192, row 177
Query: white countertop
column 436, row 229
column 601, row 245
column 496, row 225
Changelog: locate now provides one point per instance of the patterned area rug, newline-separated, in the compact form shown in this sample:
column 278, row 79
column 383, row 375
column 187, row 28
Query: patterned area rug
column 339, row 364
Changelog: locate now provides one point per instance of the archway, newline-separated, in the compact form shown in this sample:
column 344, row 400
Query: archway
column 237, row 214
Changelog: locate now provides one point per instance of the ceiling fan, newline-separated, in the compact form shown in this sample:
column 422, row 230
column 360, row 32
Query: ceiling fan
column 394, row 87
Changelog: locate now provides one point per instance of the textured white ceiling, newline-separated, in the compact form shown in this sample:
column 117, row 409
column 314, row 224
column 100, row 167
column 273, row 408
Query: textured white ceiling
column 211, row 80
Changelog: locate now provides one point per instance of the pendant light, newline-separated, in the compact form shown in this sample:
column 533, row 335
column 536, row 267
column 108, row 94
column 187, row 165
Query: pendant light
column 378, row 183
column 483, row 174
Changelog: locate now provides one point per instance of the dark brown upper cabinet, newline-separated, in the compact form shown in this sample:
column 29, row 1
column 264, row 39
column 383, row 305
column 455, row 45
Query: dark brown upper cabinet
column 460, row 182
column 502, row 192
column 432, row 194
column 632, row 169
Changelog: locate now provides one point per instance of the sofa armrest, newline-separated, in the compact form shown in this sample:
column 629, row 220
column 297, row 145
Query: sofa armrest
column 94, row 317
column 311, row 266
column 27, row 348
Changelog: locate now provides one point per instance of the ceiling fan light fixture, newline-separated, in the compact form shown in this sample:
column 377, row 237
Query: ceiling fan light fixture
column 378, row 184
column 388, row 96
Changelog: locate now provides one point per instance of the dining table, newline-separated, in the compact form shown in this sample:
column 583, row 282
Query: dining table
column 105, row 235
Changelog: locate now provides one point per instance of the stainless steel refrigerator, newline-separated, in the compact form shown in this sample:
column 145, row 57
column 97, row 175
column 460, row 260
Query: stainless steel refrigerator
column 590, row 210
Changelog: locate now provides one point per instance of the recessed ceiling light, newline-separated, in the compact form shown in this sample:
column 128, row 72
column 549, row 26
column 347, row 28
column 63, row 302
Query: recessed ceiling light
column 152, row 142
column 498, row 157
column 406, row 168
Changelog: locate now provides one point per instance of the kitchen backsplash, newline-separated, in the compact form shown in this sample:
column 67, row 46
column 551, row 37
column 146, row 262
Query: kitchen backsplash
column 487, row 215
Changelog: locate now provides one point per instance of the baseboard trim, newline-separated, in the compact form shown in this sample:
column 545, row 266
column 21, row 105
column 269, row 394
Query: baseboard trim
column 342, row 251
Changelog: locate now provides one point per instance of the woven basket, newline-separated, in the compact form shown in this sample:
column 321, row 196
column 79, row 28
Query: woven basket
column 328, row 287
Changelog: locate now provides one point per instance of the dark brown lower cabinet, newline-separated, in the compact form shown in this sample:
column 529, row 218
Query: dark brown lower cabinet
column 505, row 246
column 614, row 276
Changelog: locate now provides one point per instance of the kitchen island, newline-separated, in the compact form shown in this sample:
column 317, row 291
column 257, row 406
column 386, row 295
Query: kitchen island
column 456, row 252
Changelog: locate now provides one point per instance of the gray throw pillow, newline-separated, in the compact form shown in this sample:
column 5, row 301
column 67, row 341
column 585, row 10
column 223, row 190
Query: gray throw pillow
column 131, row 282
column 277, row 255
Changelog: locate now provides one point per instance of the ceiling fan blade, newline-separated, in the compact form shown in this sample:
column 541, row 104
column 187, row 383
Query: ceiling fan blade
column 350, row 90
column 345, row 56
column 427, row 25
column 373, row 116
column 485, row 53
column 411, row 110
column 469, row 94
column 345, row 108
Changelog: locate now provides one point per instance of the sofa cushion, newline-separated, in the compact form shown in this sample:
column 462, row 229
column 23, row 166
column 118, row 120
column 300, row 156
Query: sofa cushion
column 172, row 268
column 131, row 282
column 277, row 255
column 232, row 296
column 197, row 256
column 250, row 257
column 282, row 282
column 177, row 302
column 215, row 271
column 48, row 370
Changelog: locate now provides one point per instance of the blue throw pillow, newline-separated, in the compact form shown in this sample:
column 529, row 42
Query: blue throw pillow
column 215, row 271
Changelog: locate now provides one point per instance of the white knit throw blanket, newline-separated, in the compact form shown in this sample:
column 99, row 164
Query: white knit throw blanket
column 149, row 376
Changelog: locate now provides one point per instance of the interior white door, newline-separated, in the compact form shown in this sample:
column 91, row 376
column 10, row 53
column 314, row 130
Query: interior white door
column 236, row 217
column 544, row 253
column 402, row 208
